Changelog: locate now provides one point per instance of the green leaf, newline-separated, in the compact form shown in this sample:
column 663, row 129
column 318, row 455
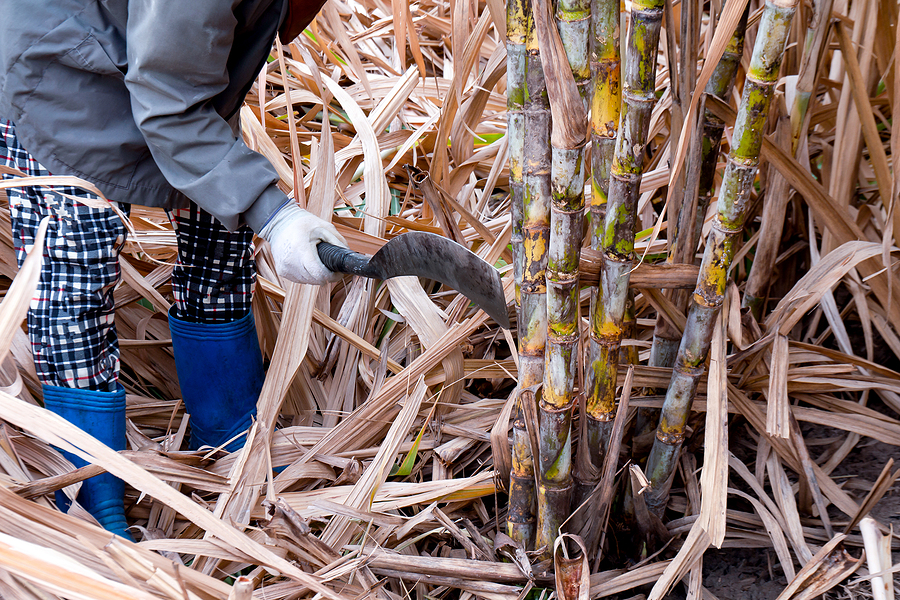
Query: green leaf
column 485, row 139
column 395, row 202
column 406, row 466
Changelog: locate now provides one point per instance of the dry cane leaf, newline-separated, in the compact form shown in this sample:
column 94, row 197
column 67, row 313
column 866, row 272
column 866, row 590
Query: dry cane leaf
column 778, row 409
column 878, row 560
column 18, row 296
column 714, row 477
column 61, row 574
column 572, row 573
column 826, row 569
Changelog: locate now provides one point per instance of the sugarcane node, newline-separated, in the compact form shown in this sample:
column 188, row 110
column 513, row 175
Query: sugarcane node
column 553, row 408
column 642, row 101
column 536, row 167
column 604, row 417
column 565, row 205
column 743, row 162
column 519, row 420
column 557, row 407
column 521, row 479
column 609, row 338
column 648, row 7
column 670, row 439
column 557, row 488
column 726, row 229
column 523, row 464
column 570, row 14
column 537, row 236
column 566, row 340
column 605, row 69
column 704, row 298
column 532, row 352
column 561, row 278
column 690, row 365
column 534, row 285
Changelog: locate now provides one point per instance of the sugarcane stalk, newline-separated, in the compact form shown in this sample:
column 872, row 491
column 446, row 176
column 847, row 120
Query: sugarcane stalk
column 690, row 225
column 773, row 212
column 698, row 192
column 564, row 47
column 573, row 21
column 521, row 507
column 535, row 234
column 617, row 235
column 816, row 33
column 732, row 207
column 606, row 101
column 516, row 25
column 628, row 354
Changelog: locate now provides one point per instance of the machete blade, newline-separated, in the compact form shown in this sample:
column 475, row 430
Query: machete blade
column 435, row 257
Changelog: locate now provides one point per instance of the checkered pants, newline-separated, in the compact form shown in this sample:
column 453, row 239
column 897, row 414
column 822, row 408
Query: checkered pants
column 71, row 318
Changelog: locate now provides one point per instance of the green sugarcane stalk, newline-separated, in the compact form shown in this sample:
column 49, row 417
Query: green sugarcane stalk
column 516, row 27
column 698, row 192
column 532, row 323
column 521, row 508
column 688, row 228
column 606, row 101
column 617, row 236
column 564, row 51
column 767, row 246
column 737, row 182
column 573, row 21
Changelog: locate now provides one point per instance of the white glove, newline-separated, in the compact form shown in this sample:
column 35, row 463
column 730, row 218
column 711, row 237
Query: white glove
column 293, row 234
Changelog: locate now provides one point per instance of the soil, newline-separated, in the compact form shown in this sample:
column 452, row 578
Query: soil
column 754, row 573
column 746, row 573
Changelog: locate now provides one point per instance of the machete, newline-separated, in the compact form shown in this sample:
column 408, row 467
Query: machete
column 431, row 256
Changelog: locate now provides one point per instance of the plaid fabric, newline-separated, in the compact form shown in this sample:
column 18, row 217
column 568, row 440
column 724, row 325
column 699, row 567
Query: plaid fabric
column 70, row 320
column 214, row 279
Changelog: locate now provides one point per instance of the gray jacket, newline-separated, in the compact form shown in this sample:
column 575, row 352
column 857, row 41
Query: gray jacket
column 147, row 121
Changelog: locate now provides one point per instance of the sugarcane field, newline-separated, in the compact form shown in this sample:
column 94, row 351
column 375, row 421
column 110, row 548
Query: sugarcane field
column 620, row 315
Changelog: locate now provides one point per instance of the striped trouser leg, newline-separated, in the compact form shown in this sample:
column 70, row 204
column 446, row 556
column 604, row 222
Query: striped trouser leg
column 70, row 319
column 215, row 275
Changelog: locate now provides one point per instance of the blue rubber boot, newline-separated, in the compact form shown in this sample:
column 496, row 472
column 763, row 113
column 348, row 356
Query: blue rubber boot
column 101, row 414
column 220, row 371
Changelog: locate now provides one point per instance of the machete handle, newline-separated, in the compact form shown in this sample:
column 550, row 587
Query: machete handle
column 342, row 260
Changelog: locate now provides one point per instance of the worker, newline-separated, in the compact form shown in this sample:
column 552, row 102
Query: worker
column 141, row 98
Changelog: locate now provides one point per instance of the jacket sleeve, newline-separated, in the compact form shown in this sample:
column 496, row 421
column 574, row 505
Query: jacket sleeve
column 177, row 63
column 300, row 13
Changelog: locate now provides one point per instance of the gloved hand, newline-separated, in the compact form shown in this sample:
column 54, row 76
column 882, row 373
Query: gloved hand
column 293, row 234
